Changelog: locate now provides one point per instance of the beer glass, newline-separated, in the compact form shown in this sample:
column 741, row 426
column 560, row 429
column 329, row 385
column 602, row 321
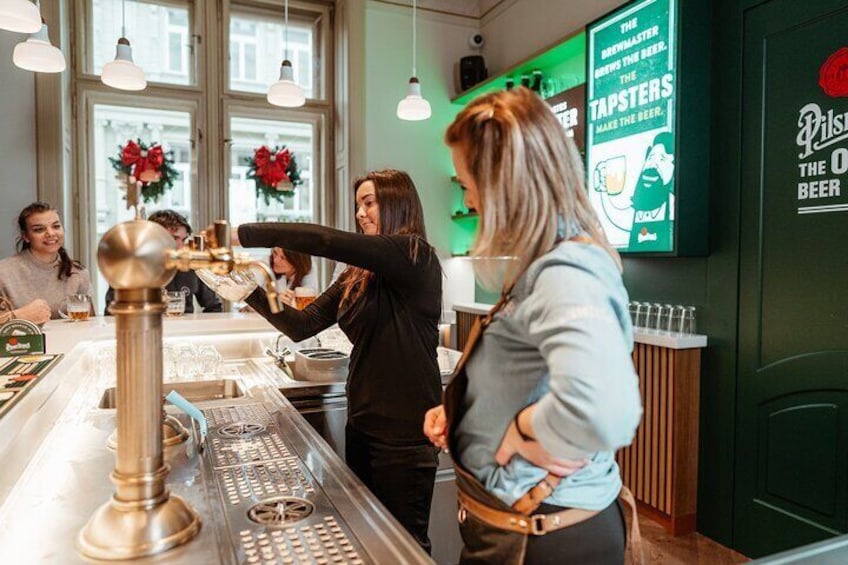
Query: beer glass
column 76, row 307
column 609, row 175
column 304, row 296
column 687, row 322
column 174, row 303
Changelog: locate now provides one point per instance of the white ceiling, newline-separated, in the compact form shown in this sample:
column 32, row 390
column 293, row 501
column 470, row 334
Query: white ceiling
column 467, row 8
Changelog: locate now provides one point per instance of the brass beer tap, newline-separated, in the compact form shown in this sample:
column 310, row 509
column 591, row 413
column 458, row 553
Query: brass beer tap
column 138, row 258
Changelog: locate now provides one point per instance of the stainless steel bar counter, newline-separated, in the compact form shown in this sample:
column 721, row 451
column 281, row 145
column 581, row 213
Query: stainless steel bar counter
column 267, row 487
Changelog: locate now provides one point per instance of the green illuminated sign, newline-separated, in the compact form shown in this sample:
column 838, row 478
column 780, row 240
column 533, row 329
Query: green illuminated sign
column 630, row 133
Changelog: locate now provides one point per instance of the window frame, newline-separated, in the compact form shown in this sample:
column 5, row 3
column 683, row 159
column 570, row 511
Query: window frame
column 84, row 41
column 210, row 103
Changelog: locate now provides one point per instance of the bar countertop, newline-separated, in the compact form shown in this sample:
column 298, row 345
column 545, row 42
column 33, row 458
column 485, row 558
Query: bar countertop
column 56, row 463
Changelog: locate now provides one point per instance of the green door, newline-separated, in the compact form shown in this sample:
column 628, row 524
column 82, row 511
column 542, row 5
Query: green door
column 792, row 410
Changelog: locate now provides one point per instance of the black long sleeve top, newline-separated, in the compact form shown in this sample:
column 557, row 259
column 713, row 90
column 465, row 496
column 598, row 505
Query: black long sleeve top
column 393, row 377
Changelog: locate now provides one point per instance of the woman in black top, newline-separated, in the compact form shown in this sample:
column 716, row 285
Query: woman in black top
column 388, row 302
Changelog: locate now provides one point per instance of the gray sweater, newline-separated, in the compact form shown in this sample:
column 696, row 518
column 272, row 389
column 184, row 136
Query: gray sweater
column 564, row 341
column 23, row 278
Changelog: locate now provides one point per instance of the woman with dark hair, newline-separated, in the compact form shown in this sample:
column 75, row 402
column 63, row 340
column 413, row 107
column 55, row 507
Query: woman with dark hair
column 292, row 269
column 388, row 303
column 34, row 281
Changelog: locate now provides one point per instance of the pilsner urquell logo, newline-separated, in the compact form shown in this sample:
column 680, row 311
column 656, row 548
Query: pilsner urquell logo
column 833, row 75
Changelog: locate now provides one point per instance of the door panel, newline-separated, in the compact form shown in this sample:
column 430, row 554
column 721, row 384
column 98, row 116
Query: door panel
column 792, row 426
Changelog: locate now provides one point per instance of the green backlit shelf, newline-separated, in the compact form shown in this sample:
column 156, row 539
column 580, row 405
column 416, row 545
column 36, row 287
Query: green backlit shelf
column 566, row 60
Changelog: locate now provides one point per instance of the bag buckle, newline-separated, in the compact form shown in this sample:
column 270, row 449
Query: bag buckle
column 537, row 525
column 461, row 514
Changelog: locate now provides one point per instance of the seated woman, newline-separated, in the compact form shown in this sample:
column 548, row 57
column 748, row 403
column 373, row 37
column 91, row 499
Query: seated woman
column 185, row 281
column 293, row 269
column 35, row 280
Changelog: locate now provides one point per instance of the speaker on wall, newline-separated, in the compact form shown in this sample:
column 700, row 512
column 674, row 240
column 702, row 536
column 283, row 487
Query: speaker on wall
column 472, row 70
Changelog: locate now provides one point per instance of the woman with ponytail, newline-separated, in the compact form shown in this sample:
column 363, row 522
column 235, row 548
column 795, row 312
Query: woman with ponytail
column 388, row 302
column 34, row 281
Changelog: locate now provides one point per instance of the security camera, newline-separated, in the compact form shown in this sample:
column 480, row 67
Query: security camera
column 476, row 41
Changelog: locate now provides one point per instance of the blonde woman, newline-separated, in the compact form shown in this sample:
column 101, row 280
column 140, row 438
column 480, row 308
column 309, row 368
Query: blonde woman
column 534, row 415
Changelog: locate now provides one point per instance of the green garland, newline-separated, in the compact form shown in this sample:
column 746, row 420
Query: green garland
column 137, row 158
column 275, row 173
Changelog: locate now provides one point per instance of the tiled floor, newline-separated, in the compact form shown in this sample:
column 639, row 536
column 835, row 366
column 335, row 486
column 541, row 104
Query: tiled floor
column 691, row 549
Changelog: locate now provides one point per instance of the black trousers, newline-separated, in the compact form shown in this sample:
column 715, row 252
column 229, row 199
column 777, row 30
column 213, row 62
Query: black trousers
column 599, row 540
column 401, row 477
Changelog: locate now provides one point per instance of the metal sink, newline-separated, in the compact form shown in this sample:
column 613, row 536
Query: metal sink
column 192, row 391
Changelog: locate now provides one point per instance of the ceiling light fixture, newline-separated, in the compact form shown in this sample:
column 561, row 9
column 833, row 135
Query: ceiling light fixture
column 414, row 107
column 21, row 16
column 38, row 54
column 286, row 92
column 123, row 73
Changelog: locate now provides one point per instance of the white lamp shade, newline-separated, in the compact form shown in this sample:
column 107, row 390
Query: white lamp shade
column 413, row 108
column 286, row 92
column 21, row 16
column 122, row 73
column 37, row 54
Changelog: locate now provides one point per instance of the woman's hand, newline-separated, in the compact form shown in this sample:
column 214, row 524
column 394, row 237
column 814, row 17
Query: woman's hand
column 37, row 311
column 209, row 234
column 435, row 426
column 287, row 298
column 532, row 450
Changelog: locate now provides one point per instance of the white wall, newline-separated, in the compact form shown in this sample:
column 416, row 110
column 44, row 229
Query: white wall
column 416, row 147
column 518, row 29
column 17, row 141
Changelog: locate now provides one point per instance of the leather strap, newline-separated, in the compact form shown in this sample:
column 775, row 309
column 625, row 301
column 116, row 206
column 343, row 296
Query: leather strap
column 541, row 524
column 537, row 524
column 531, row 500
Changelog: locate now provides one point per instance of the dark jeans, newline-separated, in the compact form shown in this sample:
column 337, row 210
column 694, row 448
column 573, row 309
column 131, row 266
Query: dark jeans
column 599, row 540
column 401, row 477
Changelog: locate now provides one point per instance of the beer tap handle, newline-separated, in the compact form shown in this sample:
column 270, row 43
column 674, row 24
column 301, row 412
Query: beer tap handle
column 221, row 232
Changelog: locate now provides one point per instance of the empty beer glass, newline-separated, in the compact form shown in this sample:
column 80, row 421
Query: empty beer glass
column 687, row 322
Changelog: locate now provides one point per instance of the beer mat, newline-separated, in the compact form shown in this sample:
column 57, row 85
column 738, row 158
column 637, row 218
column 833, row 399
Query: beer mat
column 29, row 364
column 20, row 375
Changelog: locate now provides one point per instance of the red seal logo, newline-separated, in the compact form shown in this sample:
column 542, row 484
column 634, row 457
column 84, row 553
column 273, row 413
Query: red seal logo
column 13, row 341
column 833, row 75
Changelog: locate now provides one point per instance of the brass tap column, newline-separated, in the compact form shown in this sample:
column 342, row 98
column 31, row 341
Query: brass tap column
column 142, row 518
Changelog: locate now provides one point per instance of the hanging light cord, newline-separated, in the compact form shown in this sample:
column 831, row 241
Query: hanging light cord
column 287, row 30
column 414, row 72
column 123, row 18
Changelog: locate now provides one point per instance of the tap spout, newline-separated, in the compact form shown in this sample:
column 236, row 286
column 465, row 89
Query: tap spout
column 270, row 286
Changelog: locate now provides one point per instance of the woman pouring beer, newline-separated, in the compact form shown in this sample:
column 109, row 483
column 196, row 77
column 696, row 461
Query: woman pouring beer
column 388, row 302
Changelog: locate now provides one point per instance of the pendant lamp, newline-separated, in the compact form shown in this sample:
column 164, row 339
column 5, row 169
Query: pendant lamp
column 123, row 73
column 286, row 92
column 38, row 54
column 414, row 107
column 21, row 16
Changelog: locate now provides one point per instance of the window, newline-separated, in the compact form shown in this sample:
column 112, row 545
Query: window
column 248, row 134
column 113, row 126
column 169, row 38
column 259, row 41
column 178, row 41
column 158, row 33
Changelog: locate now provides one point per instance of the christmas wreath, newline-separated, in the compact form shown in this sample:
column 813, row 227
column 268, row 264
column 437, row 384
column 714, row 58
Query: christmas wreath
column 274, row 171
column 152, row 166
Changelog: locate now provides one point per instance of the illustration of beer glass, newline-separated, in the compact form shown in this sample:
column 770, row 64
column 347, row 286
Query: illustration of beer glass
column 609, row 175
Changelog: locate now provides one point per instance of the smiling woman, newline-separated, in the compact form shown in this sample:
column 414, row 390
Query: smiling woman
column 388, row 303
column 34, row 282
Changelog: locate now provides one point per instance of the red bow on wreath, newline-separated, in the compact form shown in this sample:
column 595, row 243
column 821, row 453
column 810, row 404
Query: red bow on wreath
column 145, row 162
column 271, row 167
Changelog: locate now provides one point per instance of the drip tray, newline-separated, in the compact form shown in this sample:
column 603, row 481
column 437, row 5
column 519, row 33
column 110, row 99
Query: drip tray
column 241, row 430
column 280, row 511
